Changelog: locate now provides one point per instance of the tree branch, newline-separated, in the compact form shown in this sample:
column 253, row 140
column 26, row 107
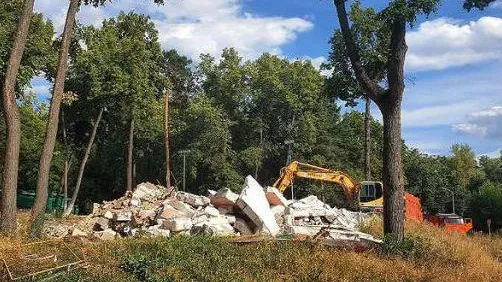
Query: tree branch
column 371, row 88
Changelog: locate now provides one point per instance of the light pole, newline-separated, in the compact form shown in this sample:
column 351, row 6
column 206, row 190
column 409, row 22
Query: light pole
column 290, row 150
column 184, row 153
column 290, row 143
column 452, row 198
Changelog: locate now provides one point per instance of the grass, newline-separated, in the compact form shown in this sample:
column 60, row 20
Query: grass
column 429, row 254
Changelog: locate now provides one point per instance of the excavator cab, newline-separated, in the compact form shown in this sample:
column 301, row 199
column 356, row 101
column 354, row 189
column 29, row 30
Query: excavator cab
column 370, row 191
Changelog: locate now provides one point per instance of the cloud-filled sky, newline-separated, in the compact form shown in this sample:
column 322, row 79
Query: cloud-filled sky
column 454, row 62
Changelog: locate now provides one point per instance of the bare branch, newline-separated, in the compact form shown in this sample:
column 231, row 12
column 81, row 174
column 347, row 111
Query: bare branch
column 371, row 88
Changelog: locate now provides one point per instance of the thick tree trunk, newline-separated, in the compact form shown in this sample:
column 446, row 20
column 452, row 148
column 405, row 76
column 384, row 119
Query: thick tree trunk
column 393, row 171
column 389, row 102
column 166, row 139
column 130, row 148
column 83, row 164
column 66, row 163
column 367, row 140
column 37, row 213
column 8, row 221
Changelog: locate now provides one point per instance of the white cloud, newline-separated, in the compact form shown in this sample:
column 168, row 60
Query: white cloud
column 317, row 62
column 487, row 123
column 194, row 27
column 497, row 4
column 493, row 154
column 444, row 43
column 437, row 115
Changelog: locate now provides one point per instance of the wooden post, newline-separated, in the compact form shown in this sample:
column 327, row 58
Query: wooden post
column 166, row 138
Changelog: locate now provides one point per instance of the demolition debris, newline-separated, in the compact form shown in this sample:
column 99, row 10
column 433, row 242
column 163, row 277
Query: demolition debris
column 153, row 210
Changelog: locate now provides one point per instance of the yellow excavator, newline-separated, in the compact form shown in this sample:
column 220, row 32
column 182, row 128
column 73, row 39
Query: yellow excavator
column 359, row 195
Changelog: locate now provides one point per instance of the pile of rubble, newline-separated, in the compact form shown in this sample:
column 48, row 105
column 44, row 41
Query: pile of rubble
column 152, row 210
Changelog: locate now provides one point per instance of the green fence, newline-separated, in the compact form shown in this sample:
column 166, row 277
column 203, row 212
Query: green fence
column 55, row 203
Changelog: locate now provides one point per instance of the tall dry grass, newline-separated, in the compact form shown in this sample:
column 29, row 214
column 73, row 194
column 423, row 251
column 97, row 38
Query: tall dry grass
column 433, row 254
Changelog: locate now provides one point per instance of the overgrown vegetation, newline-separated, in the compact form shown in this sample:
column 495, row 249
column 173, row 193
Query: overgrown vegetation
column 234, row 116
column 428, row 254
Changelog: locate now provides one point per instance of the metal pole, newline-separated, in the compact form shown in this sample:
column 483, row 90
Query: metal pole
column 453, row 200
column 184, row 162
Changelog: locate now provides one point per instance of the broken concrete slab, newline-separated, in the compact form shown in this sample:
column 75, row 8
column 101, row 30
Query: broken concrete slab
column 100, row 223
column 186, row 209
column 275, row 197
column 224, row 198
column 109, row 215
column 243, row 227
column 211, row 211
column 193, row 200
column 124, row 216
column 149, row 192
column 177, row 224
column 170, row 212
column 253, row 202
column 157, row 230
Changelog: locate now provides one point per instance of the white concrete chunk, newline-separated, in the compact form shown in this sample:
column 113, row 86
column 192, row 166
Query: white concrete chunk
column 224, row 198
column 178, row 224
column 254, row 204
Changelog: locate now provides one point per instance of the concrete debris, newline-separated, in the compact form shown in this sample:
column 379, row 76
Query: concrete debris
column 153, row 210
column 243, row 227
column 253, row 202
column 193, row 200
column 177, row 224
column 275, row 197
column 224, row 198
column 149, row 192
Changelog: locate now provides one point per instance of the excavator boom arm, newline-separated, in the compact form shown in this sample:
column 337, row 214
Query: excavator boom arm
column 302, row 170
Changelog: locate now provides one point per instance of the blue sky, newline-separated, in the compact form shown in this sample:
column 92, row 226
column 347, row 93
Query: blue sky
column 454, row 69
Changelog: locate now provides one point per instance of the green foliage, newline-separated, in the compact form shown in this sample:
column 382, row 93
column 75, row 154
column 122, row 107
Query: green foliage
column 463, row 164
column 492, row 168
column 487, row 205
column 412, row 247
column 479, row 4
column 38, row 54
column 372, row 38
column 427, row 177
column 117, row 67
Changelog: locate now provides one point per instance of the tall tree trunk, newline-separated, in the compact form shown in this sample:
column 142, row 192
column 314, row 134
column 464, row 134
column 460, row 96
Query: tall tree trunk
column 367, row 140
column 66, row 163
column 8, row 221
column 389, row 102
column 38, row 211
column 130, row 148
column 83, row 164
column 393, row 191
column 390, row 106
column 166, row 139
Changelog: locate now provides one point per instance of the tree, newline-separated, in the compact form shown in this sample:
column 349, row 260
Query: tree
column 396, row 16
column 487, row 205
column 8, row 205
column 69, row 209
column 463, row 164
column 38, row 210
column 492, row 167
column 480, row 4
column 427, row 177
column 343, row 84
column 119, row 69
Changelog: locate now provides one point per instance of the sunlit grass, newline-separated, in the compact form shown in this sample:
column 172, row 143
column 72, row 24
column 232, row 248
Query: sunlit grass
column 434, row 255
